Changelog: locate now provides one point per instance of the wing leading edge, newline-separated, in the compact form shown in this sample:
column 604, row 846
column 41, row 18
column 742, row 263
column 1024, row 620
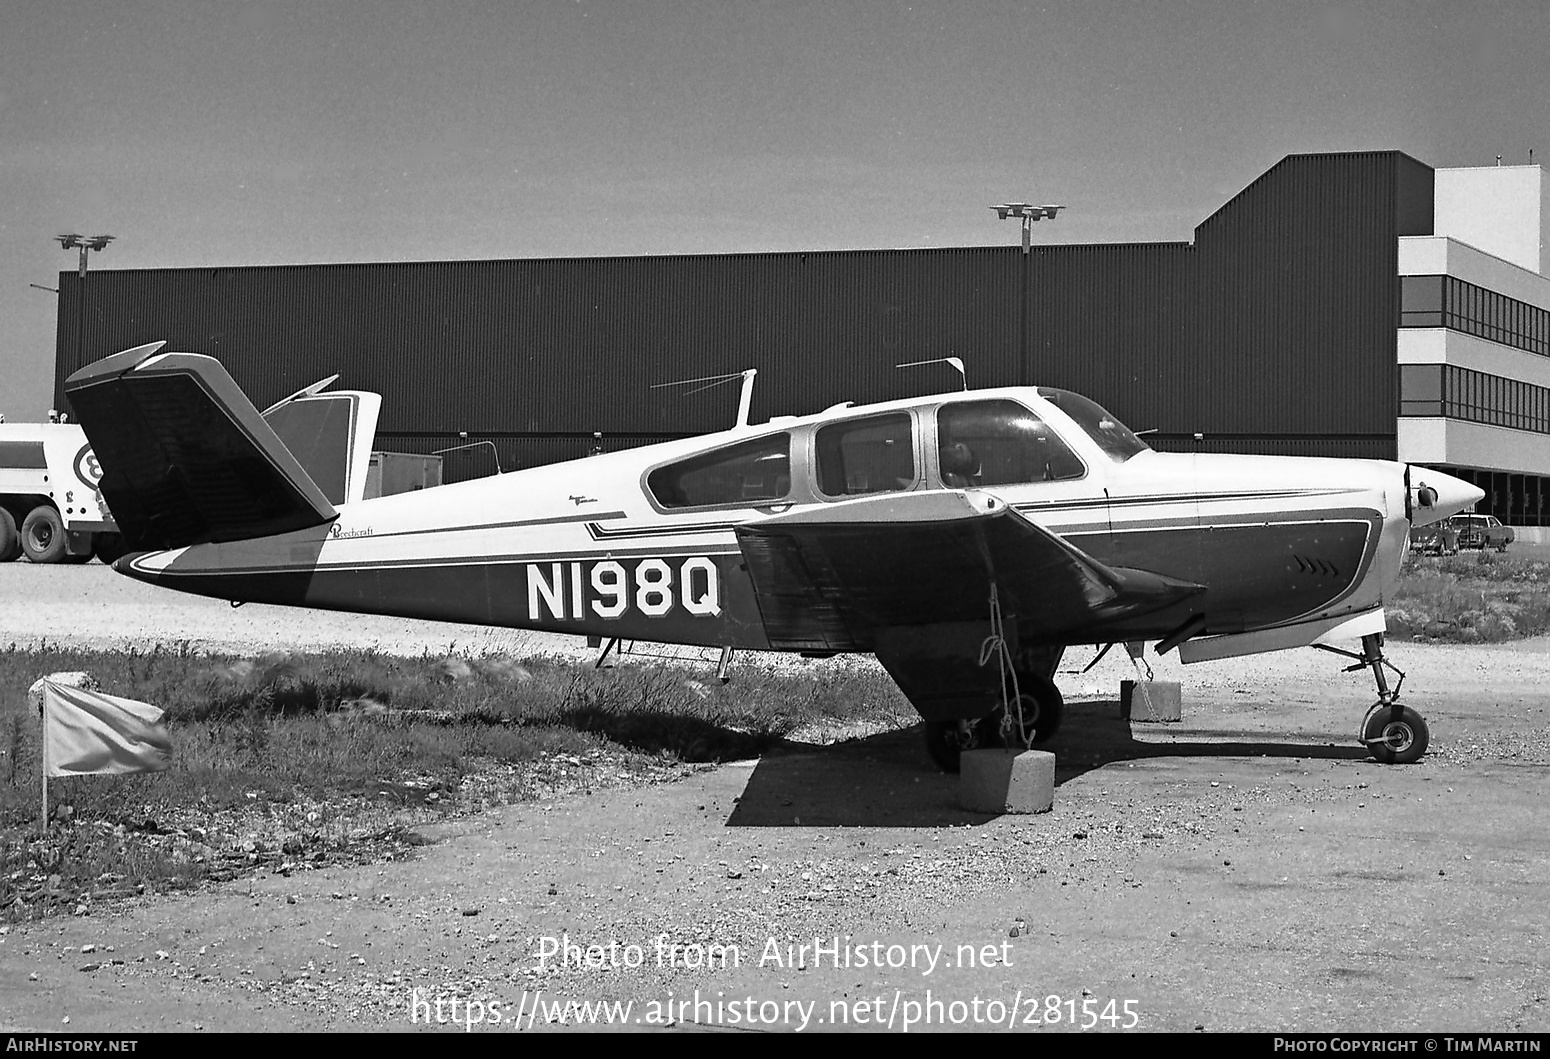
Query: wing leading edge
column 185, row 457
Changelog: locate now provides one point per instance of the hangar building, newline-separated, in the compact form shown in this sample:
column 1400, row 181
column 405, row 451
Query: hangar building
column 1359, row 304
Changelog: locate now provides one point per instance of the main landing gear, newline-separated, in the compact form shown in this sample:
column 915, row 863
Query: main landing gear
column 1041, row 706
column 1393, row 733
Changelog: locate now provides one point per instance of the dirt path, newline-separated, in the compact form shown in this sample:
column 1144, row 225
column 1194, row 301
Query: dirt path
column 1241, row 870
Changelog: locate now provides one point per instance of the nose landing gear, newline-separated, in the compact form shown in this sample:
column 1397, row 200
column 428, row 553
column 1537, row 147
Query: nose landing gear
column 1393, row 733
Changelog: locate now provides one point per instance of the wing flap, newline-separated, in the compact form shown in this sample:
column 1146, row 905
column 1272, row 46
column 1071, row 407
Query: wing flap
column 185, row 457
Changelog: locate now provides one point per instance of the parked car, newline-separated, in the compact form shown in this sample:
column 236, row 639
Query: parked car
column 1482, row 531
column 1436, row 538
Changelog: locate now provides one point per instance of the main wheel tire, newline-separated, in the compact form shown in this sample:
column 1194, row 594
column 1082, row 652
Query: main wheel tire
column 10, row 540
column 1395, row 736
column 1042, row 708
column 947, row 740
column 43, row 535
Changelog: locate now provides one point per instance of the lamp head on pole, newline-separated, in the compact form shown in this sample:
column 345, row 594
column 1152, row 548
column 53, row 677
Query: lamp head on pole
column 1027, row 212
column 75, row 240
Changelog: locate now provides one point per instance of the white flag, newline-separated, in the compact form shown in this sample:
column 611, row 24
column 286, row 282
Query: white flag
column 88, row 733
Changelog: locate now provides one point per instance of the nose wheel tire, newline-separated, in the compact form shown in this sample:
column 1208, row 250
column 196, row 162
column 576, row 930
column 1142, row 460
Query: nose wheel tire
column 1395, row 734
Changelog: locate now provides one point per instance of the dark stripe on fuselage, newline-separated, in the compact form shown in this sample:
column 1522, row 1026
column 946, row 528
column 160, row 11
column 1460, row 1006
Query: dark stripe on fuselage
column 603, row 533
column 175, row 571
column 677, row 601
column 1193, row 499
column 1188, row 522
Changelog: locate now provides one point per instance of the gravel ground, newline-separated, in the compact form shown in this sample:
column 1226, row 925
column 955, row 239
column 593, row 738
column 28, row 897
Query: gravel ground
column 1243, row 869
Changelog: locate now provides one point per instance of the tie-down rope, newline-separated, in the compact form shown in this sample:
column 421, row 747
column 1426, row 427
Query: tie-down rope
column 995, row 646
column 1144, row 686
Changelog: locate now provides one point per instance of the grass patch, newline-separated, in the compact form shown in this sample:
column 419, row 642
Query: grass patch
column 1480, row 597
column 289, row 761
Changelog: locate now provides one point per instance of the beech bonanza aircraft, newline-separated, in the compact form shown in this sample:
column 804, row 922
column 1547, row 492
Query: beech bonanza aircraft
column 965, row 539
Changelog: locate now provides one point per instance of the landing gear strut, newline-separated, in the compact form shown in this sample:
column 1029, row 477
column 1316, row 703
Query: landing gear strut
column 1393, row 733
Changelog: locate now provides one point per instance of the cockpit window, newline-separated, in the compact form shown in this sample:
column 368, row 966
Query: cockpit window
column 752, row 472
column 1112, row 436
column 871, row 455
column 1000, row 443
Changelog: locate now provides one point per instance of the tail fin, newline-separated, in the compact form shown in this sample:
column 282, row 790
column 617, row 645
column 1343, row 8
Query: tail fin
column 185, row 457
column 330, row 434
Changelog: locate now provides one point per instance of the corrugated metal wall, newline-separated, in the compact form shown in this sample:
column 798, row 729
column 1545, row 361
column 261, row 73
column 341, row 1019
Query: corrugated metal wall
column 1299, row 272
column 1278, row 324
column 576, row 345
column 1111, row 322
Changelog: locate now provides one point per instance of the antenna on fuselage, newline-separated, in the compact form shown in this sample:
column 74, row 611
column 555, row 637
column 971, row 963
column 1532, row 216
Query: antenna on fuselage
column 954, row 361
column 744, row 399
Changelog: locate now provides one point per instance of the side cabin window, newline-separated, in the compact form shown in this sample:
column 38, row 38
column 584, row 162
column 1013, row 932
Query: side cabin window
column 1000, row 443
column 750, row 472
column 871, row 455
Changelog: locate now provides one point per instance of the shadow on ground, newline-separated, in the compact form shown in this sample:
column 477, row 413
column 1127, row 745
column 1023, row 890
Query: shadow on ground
column 888, row 781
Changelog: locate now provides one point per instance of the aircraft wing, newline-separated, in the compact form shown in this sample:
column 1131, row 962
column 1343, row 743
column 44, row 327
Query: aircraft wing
column 185, row 457
column 842, row 576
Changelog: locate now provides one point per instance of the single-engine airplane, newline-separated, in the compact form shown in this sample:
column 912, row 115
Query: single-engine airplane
column 965, row 539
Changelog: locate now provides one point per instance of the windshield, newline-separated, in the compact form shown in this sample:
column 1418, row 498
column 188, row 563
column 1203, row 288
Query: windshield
column 1112, row 436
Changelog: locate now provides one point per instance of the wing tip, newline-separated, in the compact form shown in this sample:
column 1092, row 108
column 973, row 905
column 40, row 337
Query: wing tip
column 117, row 364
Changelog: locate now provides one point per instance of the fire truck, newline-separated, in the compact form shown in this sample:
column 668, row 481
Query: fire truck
column 50, row 509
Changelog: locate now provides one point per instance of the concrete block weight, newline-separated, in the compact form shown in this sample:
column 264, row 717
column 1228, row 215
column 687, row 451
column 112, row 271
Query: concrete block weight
column 1151, row 701
column 1006, row 781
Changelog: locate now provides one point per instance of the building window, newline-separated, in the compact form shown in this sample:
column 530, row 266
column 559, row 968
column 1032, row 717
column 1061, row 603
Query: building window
column 1420, row 389
column 871, row 455
column 1420, row 301
column 753, row 472
column 1446, row 301
column 1473, row 396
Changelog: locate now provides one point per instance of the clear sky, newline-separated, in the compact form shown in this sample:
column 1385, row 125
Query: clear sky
column 202, row 132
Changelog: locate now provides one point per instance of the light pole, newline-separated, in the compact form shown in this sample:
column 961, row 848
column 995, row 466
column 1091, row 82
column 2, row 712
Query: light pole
column 1028, row 213
column 85, row 243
